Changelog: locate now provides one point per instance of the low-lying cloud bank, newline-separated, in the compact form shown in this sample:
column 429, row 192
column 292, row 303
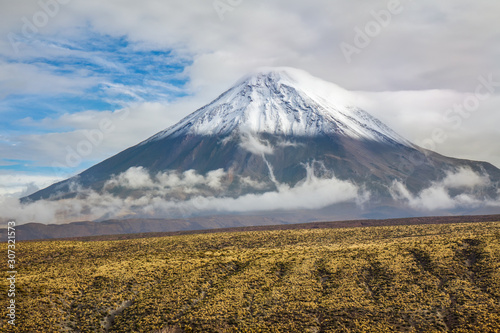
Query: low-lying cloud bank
column 170, row 194
column 167, row 183
column 462, row 188
column 173, row 194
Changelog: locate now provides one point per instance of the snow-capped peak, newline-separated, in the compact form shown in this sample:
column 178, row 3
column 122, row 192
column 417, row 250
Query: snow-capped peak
column 284, row 101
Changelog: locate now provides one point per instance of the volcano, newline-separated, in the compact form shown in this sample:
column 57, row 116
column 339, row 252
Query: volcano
column 280, row 131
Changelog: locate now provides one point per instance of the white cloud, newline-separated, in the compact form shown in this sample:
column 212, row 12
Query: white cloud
column 20, row 184
column 297, row 34
column 438, row 196
column 134, row 178
column 168, row 183
column 425, row 117
column 96, row 135
column 19, row 78
column 465, row 177
column 255, row 145
column 311, row 194
column 251, row 183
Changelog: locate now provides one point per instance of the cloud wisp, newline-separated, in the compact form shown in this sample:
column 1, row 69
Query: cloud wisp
column 443, row 195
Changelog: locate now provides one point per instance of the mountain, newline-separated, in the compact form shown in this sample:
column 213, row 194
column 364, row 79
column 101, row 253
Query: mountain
column 276, row 134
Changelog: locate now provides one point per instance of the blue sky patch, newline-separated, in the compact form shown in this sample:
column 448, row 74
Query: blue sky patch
column 123, row 73
column 116, row 73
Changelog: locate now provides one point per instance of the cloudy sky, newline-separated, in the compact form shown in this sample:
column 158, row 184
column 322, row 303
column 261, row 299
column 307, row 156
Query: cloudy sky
column 112, row 73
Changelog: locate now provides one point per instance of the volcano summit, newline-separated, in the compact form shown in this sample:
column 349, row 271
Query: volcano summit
column 278, row 139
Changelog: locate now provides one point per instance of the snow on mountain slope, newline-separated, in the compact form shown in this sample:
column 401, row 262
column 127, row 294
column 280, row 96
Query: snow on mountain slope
column 284, row 101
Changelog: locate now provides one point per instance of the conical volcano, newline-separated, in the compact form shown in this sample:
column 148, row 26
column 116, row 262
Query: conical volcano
column 279, row 130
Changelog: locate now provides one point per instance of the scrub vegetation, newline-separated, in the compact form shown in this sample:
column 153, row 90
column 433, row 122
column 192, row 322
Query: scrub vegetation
column 420, row 278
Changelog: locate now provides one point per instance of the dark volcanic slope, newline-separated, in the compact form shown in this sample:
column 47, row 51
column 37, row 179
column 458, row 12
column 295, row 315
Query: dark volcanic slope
column 373, row 163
